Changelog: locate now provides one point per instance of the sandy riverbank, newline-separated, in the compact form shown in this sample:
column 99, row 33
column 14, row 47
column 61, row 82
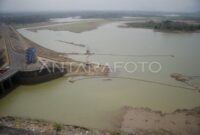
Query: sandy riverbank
column 159, row 123
column 144, row 121
column 76, row 27
column 39, row 24
column 133, row 121
column 40, row 127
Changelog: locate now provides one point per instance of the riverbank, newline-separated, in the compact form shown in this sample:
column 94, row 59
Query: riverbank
column 168, row 26
column 48, row 66
column 93, row 103
column 76, row 27
column 132, row 121
column 72, row 66
column 40, row 127
column 144, row 121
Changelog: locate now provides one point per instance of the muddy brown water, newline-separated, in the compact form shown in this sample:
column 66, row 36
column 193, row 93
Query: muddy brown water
column 96, row 102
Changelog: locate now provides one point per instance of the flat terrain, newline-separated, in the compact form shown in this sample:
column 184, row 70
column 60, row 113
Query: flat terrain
column 14, row 131
column 141, row 121
column 134, row 121
column 166, row 26
column 76, row 27
column 21, row 126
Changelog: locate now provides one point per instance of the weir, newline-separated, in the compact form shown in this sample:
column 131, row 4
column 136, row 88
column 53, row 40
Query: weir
column 29, row 64
column 22, row 66
column 28, row 78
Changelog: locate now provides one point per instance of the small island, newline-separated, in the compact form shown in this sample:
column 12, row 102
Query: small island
column 167, row 25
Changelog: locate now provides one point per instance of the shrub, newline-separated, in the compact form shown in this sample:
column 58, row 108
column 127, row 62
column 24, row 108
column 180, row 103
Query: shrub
column 114, row 133
column 57, row 126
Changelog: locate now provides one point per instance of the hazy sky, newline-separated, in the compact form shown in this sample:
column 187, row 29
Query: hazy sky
column 66, row 5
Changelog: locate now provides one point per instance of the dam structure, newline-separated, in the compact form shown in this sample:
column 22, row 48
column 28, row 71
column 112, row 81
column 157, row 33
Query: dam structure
column 17, row 68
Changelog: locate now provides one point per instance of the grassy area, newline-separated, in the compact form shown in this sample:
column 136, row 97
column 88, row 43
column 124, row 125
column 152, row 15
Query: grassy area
column 57, row 126
column 76, row 27
column 114, row 133
column 166, row 26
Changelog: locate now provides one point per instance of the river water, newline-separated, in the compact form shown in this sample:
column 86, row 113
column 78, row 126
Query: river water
column 95, row 103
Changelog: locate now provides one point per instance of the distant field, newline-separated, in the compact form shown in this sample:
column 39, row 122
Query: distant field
column 76, row 27
column 168, row 25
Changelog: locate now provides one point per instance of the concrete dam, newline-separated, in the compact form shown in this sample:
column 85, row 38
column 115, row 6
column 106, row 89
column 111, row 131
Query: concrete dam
column 17, row 68
column 23, row 62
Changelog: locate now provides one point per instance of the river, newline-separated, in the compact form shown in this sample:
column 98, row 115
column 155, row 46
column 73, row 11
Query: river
column 95, row 103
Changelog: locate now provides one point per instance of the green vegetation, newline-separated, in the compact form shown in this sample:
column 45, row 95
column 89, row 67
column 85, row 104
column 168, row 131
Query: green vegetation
column 22, row 19
column 166, row 26
column 149, row 24
column 38, row 17
column 78, row 27
column 57, row 126
column 114, row 133
column 176, row 26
